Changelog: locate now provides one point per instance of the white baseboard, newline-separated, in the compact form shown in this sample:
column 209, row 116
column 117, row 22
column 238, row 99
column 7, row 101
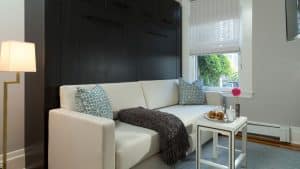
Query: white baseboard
column 289, row 134
column 295, row 135
column 273, row 130
column 15, row 159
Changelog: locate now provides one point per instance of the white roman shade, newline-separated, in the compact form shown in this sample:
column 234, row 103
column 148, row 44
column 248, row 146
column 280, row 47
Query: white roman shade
column 214, row 26
column 298, row 16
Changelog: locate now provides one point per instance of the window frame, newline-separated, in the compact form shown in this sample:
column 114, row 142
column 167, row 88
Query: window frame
column 218, row 89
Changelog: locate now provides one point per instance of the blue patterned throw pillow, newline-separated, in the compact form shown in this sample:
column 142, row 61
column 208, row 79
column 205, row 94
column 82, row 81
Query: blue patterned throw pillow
column 190, row 94
column 78, row 103
column 93, row 101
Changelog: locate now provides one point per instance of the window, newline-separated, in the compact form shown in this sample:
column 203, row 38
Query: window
column 215, row 41
column 218, row 70
column 293, row 19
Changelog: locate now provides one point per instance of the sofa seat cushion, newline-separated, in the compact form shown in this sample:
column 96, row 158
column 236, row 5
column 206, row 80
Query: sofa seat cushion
column 188, row 114
column 134, row 144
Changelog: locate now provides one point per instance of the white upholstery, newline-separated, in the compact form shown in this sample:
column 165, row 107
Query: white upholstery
column 214, row 98
column 160, row 93
column 145, row 142
column 125, row 95
column 121, row 95
column 205, row 136
column 67, row 95
column 134, row 144
column 188, row 114
column 80, row 141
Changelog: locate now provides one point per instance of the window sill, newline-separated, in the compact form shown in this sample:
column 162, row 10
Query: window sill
column 218, row 89
column 226, row 92
column 244, row 94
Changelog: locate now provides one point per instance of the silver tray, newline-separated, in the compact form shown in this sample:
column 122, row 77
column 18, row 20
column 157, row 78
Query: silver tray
column 216, row 120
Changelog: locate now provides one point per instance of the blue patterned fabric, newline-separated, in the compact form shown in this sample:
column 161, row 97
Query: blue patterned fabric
column 190, row 94
column 78, row 103
column 94, row 102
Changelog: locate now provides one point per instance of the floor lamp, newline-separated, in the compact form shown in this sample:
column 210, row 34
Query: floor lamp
column 14, row 57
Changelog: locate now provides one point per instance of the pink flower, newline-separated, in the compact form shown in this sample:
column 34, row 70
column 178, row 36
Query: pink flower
column 236, row 92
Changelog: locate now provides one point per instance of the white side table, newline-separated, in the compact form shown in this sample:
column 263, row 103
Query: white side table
column 230, row 130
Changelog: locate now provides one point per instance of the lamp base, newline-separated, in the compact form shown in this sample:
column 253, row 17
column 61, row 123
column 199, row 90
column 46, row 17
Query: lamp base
column 5, row 101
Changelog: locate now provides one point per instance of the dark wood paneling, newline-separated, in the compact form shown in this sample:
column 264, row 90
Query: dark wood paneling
column 34, row 88
column 94, row 41
column 99, row 51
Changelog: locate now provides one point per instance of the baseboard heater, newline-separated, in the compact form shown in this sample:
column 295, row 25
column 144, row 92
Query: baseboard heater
column 271, row 130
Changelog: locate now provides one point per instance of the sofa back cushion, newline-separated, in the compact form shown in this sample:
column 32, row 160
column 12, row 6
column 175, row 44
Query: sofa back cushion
column 121, row 95
column 160, row 93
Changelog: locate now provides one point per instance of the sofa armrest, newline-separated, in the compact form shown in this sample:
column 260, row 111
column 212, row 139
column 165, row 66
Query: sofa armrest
column 80, row 141
column 214, row 98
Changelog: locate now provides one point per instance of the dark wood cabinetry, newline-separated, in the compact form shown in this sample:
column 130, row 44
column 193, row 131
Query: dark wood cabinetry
column 94, row 41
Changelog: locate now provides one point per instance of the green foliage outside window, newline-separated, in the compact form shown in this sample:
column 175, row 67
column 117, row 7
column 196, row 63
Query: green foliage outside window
column 234, row 77
column 212, row 67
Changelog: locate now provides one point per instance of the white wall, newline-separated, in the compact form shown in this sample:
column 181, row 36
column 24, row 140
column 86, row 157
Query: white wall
column 275, row 69
column 276, row 63
column 12, row 28
column 245, row 61
column 271, row 75
column 272, row 69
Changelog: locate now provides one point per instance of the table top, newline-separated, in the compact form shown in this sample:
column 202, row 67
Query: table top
column 233, row 126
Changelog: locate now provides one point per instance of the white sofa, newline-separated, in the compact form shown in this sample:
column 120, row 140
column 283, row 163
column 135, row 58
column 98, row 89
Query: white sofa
column 80, row 141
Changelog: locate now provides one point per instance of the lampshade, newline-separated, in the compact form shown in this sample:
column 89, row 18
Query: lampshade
column 17, row 57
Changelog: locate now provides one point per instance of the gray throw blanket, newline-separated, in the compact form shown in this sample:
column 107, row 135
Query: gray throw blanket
column 173, row 135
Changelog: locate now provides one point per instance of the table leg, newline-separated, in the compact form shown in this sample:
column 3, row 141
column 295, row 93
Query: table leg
column 215, row 144
column 244, row 146
column 198, row 148
column 231, row 150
